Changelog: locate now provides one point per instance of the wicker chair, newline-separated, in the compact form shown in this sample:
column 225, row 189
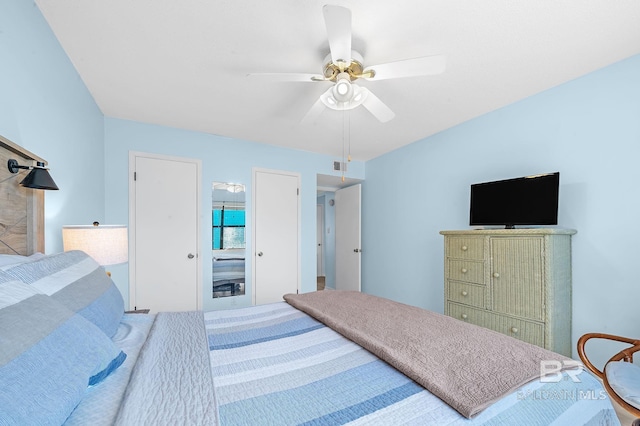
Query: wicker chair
column 626, row 412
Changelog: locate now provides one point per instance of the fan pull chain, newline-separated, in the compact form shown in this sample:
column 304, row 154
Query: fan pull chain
column 349, row 135
column 344, row 135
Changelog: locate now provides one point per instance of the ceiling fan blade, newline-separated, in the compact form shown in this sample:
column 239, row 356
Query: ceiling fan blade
column 426, row 65
column 274, row 76
column 337, row 19
column 313, row 113
column 378, row 108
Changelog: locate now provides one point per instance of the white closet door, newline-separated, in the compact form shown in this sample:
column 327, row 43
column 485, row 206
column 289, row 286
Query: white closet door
column 348, row 249
column 276, row 215
column 165, row 267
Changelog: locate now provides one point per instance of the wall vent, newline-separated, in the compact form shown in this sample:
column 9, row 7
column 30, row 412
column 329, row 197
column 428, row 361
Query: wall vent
column 339, row 166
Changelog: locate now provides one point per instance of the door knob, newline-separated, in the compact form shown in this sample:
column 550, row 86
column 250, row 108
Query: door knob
column 260, row 253
column 190, row 256
column 357, row 250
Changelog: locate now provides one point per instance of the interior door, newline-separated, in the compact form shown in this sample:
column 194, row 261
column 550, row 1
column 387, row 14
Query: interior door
column 348, row 231
column 276, row 215
column 164, row 266
column 320, row 239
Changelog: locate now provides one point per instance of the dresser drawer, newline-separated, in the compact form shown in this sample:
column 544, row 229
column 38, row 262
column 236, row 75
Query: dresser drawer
column 464, row 313
column 465, row 270
column 528, row 331
column 465, row 247
column 469, row 294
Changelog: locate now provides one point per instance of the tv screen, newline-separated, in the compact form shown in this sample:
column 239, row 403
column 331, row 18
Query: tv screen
column 529, row 200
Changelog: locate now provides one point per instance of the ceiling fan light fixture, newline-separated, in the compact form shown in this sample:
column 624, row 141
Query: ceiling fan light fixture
column 343, row 89
column 359, row 95
column 344, row 67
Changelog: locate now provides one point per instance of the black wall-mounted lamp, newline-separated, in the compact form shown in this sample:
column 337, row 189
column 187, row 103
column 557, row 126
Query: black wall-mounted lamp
column 38, row 177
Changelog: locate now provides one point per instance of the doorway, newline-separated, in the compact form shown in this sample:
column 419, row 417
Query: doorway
column 164, row 237
column 327, row 186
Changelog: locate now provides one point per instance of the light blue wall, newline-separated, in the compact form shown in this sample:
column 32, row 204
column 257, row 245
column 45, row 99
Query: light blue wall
column 587, row 129
column 45, row 107
column 225, row 160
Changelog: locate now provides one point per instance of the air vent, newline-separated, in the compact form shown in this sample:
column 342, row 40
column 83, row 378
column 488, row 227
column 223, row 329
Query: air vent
column 339, row 166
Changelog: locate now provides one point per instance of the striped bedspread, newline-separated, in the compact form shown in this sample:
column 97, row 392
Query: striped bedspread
column 273, row 364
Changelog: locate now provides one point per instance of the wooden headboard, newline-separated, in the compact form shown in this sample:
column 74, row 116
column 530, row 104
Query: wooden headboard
column 21, row 209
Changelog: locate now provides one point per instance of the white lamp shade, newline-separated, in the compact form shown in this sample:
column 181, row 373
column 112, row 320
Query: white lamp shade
column 106, row 244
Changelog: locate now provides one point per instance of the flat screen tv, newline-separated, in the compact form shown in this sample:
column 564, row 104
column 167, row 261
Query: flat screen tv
column 528, row 200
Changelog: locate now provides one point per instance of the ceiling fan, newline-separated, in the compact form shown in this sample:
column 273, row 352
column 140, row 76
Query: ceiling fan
column 344, row 66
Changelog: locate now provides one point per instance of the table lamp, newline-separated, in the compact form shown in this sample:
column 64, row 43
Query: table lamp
column 106, row 244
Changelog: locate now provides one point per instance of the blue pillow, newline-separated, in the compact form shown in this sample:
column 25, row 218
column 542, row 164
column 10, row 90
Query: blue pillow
column 75, row 280
column 48, row 356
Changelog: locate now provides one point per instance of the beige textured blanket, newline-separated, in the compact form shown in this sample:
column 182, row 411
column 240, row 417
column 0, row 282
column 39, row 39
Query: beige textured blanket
column 467, row 366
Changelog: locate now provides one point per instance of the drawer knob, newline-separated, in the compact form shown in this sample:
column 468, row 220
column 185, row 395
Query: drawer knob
column 465, row 248
column 496, row 275
column 464, row 316
column 463, row 270
column 464, row 293
column 514, row 330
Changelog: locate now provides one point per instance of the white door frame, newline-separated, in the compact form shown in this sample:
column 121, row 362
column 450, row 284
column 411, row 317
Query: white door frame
column 132, row 221
column 254, row 171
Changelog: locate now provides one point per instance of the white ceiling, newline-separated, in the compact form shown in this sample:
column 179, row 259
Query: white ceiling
column 184, row 63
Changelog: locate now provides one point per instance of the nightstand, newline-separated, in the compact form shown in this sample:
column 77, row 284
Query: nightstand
column 138, row 311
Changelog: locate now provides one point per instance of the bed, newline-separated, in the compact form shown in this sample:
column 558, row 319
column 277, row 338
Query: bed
column 71, row 356
column 228, row 268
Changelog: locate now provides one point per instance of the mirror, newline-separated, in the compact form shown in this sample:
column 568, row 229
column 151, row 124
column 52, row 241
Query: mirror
column 228, row 239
